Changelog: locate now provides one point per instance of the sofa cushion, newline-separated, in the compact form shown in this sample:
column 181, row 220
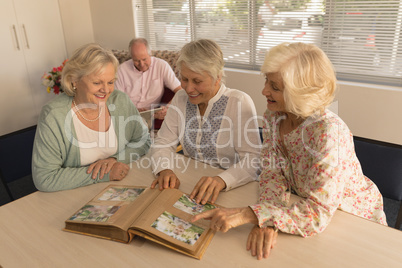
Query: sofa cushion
column 121, row 55
column 169, row 56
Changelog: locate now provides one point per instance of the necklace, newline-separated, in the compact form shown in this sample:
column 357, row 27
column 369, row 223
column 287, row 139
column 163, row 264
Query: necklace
column 89, row 120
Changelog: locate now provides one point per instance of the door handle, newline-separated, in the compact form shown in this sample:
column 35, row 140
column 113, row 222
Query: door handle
column 16, row 37
column 26, row 37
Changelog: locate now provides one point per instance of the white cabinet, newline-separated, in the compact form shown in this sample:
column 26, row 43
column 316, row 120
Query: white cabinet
column 32, row 43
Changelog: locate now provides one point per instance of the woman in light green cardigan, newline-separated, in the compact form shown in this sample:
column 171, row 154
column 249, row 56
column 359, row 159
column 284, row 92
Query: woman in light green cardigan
column 90, row 133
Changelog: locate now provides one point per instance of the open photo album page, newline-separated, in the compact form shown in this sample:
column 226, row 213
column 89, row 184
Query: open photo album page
column 179, row 228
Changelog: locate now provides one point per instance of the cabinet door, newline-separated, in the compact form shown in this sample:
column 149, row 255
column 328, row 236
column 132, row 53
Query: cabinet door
column 16, row 101
column 42, row 38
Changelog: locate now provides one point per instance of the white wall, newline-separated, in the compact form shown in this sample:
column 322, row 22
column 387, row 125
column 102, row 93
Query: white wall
column 251, row 82
column 77, row 23
column 113, row 22
column 372, row 111
column 109, row 23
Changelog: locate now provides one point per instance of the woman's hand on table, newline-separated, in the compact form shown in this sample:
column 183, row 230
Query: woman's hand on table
column 207, row 187
column 261, row 240
column 119, row 171
column 101, row 167
column 166, row 179
column 223, row 219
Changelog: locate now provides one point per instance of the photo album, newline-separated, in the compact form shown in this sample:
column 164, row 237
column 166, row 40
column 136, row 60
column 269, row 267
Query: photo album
column 120, row 213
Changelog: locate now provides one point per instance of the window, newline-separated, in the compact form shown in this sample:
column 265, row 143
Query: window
column 362, row 38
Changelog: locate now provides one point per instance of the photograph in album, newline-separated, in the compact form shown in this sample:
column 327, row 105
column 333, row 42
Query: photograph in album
column 186, row 204
column 121, row 194
column 177, row 228
column 94, row 213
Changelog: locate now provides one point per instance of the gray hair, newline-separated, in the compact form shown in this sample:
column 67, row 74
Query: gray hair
column 203, row 55
column 140, row 41
column 86, row 60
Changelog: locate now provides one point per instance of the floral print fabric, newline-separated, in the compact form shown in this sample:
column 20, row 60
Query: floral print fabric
column 321, row 167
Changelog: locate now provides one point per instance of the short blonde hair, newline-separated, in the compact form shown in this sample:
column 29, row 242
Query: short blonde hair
column 203, row 55
column 88, row 59
column 308, row 77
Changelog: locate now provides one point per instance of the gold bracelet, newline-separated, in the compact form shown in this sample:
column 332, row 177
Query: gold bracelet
column 275, row 229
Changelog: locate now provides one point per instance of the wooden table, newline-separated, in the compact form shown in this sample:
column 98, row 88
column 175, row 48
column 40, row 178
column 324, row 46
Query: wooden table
column 31, row 235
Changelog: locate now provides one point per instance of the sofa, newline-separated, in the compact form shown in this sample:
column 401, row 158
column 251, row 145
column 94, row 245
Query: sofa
column 170, row 57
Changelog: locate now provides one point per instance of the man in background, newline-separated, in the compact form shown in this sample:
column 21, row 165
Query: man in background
column 144, row 77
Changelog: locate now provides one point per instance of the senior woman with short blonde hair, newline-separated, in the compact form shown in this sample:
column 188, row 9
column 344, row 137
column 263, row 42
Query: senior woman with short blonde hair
column 307, row 150
column 309, row 79
column 87, row 59
column 90, row 133
column 214, row 124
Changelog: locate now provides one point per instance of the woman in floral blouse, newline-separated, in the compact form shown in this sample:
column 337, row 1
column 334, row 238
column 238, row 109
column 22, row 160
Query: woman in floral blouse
column 308, row 150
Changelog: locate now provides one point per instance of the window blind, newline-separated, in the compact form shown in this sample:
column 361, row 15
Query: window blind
column 362, row 38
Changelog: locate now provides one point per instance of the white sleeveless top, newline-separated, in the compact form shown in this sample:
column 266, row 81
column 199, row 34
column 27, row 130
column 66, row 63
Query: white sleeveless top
column 94, row 145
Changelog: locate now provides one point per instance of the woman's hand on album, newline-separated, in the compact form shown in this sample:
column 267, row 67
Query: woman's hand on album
column 119, row 171
column 207, row 187
column 261, row 240
column 166, row 179
column 101, row 167
column 223, row 219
